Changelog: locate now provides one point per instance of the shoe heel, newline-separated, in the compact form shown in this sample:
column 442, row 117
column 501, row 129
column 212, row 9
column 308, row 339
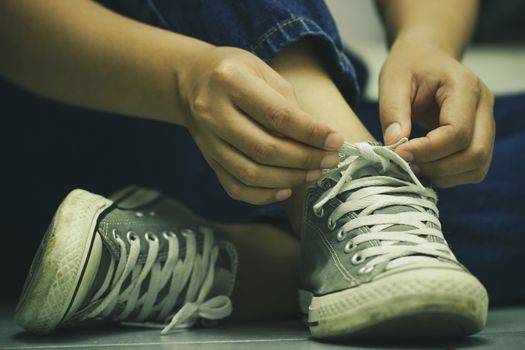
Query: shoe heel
column 59, row 262
column 305, row 298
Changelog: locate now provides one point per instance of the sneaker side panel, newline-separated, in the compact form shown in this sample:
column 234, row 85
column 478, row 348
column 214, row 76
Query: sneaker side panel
column 323, row 268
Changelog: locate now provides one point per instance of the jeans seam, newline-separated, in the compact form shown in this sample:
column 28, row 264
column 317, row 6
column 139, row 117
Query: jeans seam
column 275, row 29
column 265, row 48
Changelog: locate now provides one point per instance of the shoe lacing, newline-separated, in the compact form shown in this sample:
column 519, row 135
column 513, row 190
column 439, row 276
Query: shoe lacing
column 396, row 185
column 195, row 272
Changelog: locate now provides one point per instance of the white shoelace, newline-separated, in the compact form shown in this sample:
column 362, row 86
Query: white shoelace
column 195, row 270
column 371, row 193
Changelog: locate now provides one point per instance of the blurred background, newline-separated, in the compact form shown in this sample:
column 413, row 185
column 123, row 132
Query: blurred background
column 497, row 54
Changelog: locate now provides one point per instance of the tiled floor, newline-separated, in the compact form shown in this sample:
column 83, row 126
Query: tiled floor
column 506, row 330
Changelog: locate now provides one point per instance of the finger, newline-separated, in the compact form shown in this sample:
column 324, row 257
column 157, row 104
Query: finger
column 470, row 177
column 395, row 96
column 256, row 175
column 253, row 195
column 464, row 161
column 279, row 83
column 478, row 155
column 272, row 110
column 264, row 148
column 458, row 103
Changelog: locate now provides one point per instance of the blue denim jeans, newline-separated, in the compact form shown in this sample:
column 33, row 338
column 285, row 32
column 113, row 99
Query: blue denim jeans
column 56, row 148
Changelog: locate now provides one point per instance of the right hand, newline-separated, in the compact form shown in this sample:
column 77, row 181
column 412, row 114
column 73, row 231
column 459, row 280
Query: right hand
column 245, row 120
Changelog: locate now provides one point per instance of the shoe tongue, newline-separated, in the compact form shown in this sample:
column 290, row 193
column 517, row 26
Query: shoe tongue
column 224, row 276
column 395, row 209
column 376, row 170
column 394, row 171
column 223, row 282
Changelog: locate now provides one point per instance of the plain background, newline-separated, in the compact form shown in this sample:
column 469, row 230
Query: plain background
column 501, row 67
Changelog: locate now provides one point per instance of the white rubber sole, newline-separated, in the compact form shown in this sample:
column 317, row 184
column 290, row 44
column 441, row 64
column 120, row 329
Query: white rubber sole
column 417, row 304
column 59, row 263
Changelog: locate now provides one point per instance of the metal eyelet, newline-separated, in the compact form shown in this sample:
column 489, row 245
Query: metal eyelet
column 341, row 235
column 151, row 237
column 365, row 269
column 168, row 234
column 319, row 213
column 331, row 224
column 357, row 259
column 132, row 236
column 152, row 213
column 115, row 234
column 349, row 247
column 139, row 214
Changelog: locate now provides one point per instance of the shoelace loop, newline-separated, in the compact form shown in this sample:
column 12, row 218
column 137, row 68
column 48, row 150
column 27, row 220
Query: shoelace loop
column 195, row 273
column 371, row 193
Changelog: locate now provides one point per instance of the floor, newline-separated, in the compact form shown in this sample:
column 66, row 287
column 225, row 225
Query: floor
column 505, row 330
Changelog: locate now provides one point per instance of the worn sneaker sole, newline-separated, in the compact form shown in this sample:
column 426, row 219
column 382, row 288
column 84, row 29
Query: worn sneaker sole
column 67, row 259
column 413, row 305
column 60, row 264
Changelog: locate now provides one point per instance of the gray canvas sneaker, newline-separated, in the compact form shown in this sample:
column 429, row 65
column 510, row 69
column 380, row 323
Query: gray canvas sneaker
column 374, row 261
column 139, row 258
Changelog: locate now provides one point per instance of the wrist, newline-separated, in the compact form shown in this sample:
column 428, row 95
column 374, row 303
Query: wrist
column 426, row 36
column 177, row 55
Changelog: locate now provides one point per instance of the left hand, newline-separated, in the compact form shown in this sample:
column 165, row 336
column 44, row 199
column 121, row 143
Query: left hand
column 424, row 83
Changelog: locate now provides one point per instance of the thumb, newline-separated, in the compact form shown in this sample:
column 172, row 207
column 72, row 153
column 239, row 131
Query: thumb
column 395, row 108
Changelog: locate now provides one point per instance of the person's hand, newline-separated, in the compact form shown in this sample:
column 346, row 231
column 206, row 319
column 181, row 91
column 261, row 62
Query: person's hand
column 245, row 120
column 423, row 83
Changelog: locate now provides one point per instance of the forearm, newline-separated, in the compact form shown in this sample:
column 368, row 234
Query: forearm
column 80, row 53
column 445, row 23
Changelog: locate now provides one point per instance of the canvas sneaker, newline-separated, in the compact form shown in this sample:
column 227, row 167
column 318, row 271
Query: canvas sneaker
column 374, row 262
column 138, row 258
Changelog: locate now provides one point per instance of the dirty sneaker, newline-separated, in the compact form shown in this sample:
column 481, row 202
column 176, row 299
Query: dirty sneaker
column 374, row 261
column 139, row 258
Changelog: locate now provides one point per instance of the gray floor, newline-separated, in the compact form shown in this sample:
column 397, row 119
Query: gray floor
column 506, row 330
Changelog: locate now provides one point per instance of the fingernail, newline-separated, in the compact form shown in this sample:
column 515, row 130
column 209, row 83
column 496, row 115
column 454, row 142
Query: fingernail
column 392, row 133
column 283, row 194
column 312, row 175
column 333, row 140
column 330, row 161
column 409, row 157
column 415, row 169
